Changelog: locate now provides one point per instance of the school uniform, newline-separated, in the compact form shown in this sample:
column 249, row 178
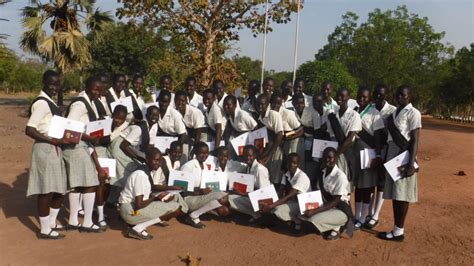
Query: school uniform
column 274, row 123
column 249, row 107
column 139, row 99
column 386, row 111
column 103, row 101
column 171, row 124
column 405, row 189
column 196, row 101
column 308, row 100
column 156, row 93
column 290, row 210
column 47, row 172
column 80, row 166
column 213, row 116
column 159, row 177
column 336, row 184
column 351, row 103
column 290, row 124
column 288, row 103
column 193, row 119
column 232, row 166
column 242, row 121
column 221, row 102
column 112, row 97
column 331, row 107
column 137, row 184
column 196, row 202
column 371, row 121
column 241, row 203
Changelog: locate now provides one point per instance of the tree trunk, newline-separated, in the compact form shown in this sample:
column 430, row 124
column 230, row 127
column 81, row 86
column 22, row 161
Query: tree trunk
column 208, row 50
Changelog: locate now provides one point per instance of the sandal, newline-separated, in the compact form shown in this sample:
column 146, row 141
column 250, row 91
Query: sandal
column 371, row 223
column 140, row 236
column 190, row 221
column 70, row 227
column 91, row 229
column 389, row 236
column 49, row 236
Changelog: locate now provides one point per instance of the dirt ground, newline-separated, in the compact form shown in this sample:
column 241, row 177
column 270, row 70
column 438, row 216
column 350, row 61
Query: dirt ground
column 439, row 228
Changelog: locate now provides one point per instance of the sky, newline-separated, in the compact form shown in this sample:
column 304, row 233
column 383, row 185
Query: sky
column 318, row 19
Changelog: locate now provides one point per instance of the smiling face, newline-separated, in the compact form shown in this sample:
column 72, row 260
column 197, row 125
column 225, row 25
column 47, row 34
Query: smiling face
column 363, row 98
column 262, row 105
column 249, row 156
column 268, row 87
column 327, row 91
column 342, row 96
column 299, row 87
column 120, row 83
column 276, row 103
column 165, row 83
column 202, row 153
column 190, row 87
column 138, row 84
column 164, row 102
column 223, row 156
column 94, row 90
column 176, row 153
column 52, row 85
column 152, row 115
column 229, row 107
column 208, row 99
column 118, row 119
column 180, row 102
column 153, row 161
column 293, row 163
column 329, row 158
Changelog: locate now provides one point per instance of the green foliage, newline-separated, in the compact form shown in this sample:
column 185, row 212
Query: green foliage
column 247, row 68
column 316, row 72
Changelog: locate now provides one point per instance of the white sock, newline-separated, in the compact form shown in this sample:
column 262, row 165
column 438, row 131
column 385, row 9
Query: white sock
column 73, row 208
column 372, row 204
column 364, row 212
column 88, row 201
column 143, row 226
column 45, row 228
column 358, row 210
column 53, row 214
column 378, row 205
column 211, row 205
column 100, row 213
column 81, row 205
column 397, row 231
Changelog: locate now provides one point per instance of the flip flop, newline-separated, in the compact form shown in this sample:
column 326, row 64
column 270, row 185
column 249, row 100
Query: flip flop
column 385, row 236
column 91, row 229
column 49, row 236
column 136, row 235
column 70, row 227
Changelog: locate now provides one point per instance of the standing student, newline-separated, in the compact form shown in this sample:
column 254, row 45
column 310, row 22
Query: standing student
column 219, row 88
column 83, row 169
column 286, row 89
column 298, row 88
column 193, row 98
column 140, row 208
column 202, row 200
column 267, row 86
column 215, row 118
column 166, row 84
column 240, row 202
column 101, row 103
column 370, row 137
column 344, row 124
column 403, row 135
column 294, row 182
column 272, row 155
column 192, row 117
column 292, row 128
column 138, row 89
column 335, row 189
column 379, row 96
column 119, row 91
column 250, row 102
column 47, row 175
column 329, row 103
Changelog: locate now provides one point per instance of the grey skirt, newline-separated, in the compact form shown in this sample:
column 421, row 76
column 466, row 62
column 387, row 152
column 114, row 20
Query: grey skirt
column 125, row 164
column 196, row 202
column 274, row 164
column 47, row 172
column 365, row 178
column 154, row 210
column 80, row 167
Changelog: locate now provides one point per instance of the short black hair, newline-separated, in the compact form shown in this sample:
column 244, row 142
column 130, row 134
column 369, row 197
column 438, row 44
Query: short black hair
column 166, row 76
column 120, row 109
column 267, row 79
column 222, row 149
column 200, row 145
column 328, row 150
column 48, row 74
column 137, row 76
column 231, row 98
column 250, row 147
column 210, row 91
column 325, row 84
column 151, row 152
column 364, row 88
column 117, row 76
column 217, row 82
column 293, row 154
column 91, row 80
column 151, row 107
column 163, row 94
column 189, row 78
column 297, row 97
column 179, row 93
column 275, row 95
column 405, row 86
column 175, row 144
column 341, row 89
column 380, row 86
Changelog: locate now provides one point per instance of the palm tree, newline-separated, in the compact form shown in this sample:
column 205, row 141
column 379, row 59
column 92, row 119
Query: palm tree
column 63, row 44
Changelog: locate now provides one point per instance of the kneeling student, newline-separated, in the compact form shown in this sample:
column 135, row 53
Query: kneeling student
column 138, row 206
column 335, row 189
column 294, row 182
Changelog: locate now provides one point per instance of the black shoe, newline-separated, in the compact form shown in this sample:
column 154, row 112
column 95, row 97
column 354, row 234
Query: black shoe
column 189, row 221
column 389, row 236
column 333, row 235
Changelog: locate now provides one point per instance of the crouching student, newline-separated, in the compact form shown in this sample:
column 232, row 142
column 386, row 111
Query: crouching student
column 202, row 200
column 294, row 182
column 47, row 175
column 224, row 164
column 335, row 189
column 140, row 208
column 240, row 202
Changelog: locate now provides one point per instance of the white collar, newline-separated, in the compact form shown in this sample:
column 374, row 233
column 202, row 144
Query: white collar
column 333, row 172
column 45, row 95
column 288, row 174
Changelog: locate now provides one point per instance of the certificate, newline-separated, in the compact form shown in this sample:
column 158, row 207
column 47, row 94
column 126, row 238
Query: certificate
column 309, row 200
column 217, row 181
column 264, row 196
column 241, row 182
column 109, row 166
column 127, row 102
column 212, row 144
column 61, row 126
column 320, row 145
column 239, row 143
column 366, row 157
column 99, row 128
column 392, row 165
column 210, row 163
column 183, row 179
column 259, row 138
column 163, row 143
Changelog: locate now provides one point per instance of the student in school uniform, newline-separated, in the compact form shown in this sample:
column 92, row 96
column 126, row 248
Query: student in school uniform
column 119, row 91
column 268, row 85
column 298, row 88
column 240, row 202
column 101, row 103
column 202, row 200
column 294, row 182
column 219, row 87
column 83, row 169
column 138, row 89
column 379, row 96
column 166, row 84
column 335, row 189
column 225, row 164
column 292, row 128
column 193, row 118
column 172, row 161
column 47, row 175
column 403, row 135
column 343, row 126
column 286, row 89
column 193, row 98
column 272, row 155
column 370, row 137
column 250, row 102
column 215, row 119
column 330, row 105
column 140, row 208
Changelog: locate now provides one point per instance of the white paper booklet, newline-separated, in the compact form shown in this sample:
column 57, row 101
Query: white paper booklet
column 99, row 128
column 163, row 143
column 241, row 182
column 366, row 157
column 60, row 124
column 266, row 195
column 109, row 165
column 392, row 165
column 127, row 102
column 217, row 181
column 309, row 200
column 320, row 145
column 183, row 179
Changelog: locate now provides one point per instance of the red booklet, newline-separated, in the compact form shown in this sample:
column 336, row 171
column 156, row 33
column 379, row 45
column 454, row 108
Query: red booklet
column 260, row 145
column 98, row 133
column 106, row 170
column 241, row 150
column 311, row 205
column 265, row 202
column 242, row 188
column 72, row 136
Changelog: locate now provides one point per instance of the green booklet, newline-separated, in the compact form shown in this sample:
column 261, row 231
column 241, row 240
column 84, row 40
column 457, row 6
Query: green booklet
column 213, row 185
column 181, row 183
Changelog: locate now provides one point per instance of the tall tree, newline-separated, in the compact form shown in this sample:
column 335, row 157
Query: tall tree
column 64, row 44
column 209, row 26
